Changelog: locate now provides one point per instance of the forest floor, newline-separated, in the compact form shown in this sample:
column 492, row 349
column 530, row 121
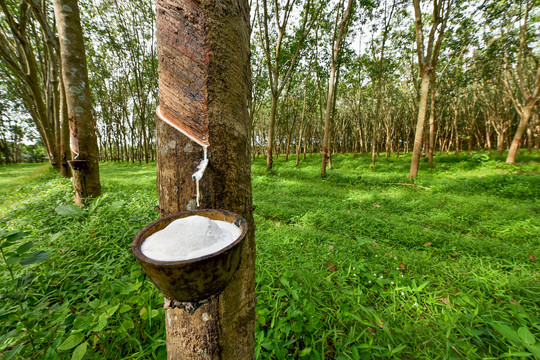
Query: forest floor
column 354, row 266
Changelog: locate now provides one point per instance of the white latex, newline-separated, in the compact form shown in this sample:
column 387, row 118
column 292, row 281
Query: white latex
column 199, row 172
column 188, row 238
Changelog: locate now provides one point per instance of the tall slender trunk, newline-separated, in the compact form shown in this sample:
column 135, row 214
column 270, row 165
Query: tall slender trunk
column 431, row 123
column 301, row 131
column 500, row 142
column 65, row 152
column 427, row 62
column 82, row 125
column 422, row 108
column 537, row 142
column 456, row 130
column 332, row 83
column 524, row 120
column 271, row 126
column 529, row 140
column 488, row 137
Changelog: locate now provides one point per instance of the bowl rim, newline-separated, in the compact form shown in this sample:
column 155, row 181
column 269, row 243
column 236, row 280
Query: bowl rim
column 139, row 238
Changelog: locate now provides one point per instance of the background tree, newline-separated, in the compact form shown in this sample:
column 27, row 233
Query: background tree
column 281, row 50
column 82, row 126
column 428, row 56
column 522, row 76
column 29, row 63
column 339, row 33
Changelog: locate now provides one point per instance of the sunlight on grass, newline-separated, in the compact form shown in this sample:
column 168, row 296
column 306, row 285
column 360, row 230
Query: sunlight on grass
column 17, row 174
column 353, row 266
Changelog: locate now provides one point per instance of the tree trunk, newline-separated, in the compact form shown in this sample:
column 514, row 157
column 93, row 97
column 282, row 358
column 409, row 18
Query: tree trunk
column 488, row 137
column 211, row 49
column 431, row 123
column 456, row 131
column 422, row 107
column 82, row 125
column 529, row 140
column 271, row 126
column 373, row 146
column 525, row 115
column 65, row 152
column 500, row 143
column 332, row 84
column 537, row 142
column 427, row 63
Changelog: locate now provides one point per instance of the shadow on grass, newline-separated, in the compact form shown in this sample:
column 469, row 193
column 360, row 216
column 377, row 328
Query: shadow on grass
column 523, row 187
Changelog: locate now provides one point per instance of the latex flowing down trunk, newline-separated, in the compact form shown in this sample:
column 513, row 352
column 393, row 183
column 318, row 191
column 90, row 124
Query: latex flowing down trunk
column 204, row 87
column 82, row 126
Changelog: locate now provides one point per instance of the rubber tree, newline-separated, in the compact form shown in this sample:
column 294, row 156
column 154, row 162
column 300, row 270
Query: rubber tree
column 523, row 82
column 31, row 72
column 204, row 86
column 280, row 69
column 427, row 62
column 82, row 126
column 332, row 82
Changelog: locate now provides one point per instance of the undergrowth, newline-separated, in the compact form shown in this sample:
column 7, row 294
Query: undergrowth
column 358, row 265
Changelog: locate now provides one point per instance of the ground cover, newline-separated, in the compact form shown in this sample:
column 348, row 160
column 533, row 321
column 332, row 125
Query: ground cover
column 15, row 175
column 353, row 266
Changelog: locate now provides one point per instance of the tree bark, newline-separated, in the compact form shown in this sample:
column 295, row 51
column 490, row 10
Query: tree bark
column 65, row 152
column 456, row 130
column 21, row 57
column 417, row 148
column 530, row 94
column 431, row 123
column 336, row 47
column 271, row 126
column 211, row 53
column 427, row 62
column 82, row 125
column 524, row 120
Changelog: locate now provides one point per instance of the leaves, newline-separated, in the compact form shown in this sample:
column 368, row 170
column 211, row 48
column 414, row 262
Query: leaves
column 24, row 248
column 12, row 260
column 34, row 258
column 71, row 341
column 127, row 324
column 526, row 336
column 16, row 235
column 8, row 238
column 102, row 322
column 69, row 210
column 506, row 331
column 79, row 351
column 117, row 205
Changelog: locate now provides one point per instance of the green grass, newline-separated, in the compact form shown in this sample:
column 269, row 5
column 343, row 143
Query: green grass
column 15, row 175
column 458, row 263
